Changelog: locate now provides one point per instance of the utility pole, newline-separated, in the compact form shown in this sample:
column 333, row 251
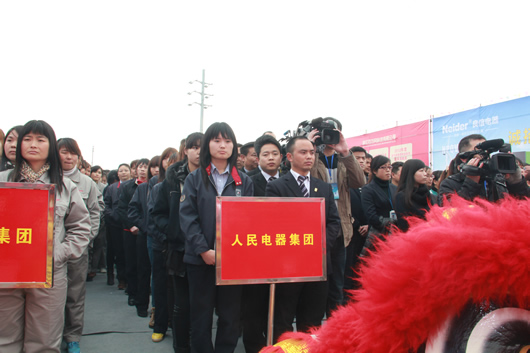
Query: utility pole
column 203, row 96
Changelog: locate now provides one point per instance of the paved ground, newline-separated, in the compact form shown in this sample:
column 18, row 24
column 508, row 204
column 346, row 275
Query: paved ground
column 113, row 326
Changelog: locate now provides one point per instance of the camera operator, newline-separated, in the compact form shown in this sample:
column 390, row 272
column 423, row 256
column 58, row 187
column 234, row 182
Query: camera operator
column 469, row 186
column 337, row 166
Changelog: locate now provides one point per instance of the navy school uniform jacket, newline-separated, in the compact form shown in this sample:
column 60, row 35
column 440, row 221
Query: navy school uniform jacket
column 112, row 199
column 198, row 210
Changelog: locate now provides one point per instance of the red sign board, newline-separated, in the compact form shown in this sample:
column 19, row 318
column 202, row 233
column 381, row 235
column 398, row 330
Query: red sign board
column 26, row 235
column 270, row 240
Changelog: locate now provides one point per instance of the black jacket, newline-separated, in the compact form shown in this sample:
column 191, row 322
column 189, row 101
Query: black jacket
column 165, row 213
column 287, row 186
column 198, row 210
column 466, row 188
column 260, row 184
column 137, row 211
column 420, row 205
column 127, row 192
column 377, row 204
column 112, row 199
column 357, row 211
column 159, row 239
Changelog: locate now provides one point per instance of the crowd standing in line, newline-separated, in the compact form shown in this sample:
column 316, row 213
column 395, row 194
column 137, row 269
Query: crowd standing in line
column 150, row 226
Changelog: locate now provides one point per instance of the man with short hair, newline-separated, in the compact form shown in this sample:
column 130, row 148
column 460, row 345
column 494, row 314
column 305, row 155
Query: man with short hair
column 360, row 155
column 367, row 164
column 251, row 157
column 304, row 300
column 270, row 157
column 337, row 166
column 471, row 186
column 240, row 157
column 255, row 299
column 396, row 172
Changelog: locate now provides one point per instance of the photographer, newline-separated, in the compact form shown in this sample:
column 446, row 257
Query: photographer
column 337, row 166
column 468, row 184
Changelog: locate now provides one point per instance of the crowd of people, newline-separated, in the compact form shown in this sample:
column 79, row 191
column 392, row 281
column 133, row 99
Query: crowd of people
column 149, row 226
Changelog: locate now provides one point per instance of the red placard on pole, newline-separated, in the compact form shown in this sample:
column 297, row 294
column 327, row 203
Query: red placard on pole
column 270, row 240
column 26, row 235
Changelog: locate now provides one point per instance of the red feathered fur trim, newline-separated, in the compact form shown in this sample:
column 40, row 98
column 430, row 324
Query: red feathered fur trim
column 417, row 280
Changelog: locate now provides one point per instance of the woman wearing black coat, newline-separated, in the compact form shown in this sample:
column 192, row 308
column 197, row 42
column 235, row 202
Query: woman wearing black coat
column 377, row 196
column 377, row 199
column 413, row 196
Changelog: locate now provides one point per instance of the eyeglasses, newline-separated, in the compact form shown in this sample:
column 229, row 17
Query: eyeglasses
column 387, row 167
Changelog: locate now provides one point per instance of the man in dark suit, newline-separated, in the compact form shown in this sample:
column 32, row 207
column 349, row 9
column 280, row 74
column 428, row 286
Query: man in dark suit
column 256, row 296
column 304, row 300
column 269, row 158
column 250, row 158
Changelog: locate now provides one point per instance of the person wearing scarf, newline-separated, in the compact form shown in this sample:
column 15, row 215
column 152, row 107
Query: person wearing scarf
column 413, row 197
column 33, row 318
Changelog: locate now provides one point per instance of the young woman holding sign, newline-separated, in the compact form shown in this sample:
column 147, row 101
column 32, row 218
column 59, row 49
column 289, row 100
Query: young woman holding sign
column 217, row 176
column 33, row 318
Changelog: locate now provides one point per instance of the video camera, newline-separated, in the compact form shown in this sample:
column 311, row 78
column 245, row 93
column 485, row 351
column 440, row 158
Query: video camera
column 492, row 165
column 326, row 131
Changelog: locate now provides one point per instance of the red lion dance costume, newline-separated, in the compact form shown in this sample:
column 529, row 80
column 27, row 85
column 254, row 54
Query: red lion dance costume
column 458, row 282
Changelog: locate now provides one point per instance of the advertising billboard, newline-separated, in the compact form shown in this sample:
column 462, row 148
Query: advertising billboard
column 507, row 120
column 398, row 143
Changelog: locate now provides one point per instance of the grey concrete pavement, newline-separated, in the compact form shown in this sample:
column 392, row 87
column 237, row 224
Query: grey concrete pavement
column 113, row 326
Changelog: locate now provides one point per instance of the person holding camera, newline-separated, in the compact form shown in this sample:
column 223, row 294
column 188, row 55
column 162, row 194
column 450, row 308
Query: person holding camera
column 470, row 185
column 337, row 166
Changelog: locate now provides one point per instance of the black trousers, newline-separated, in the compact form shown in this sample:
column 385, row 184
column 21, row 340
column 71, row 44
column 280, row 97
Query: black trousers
column 137, row 268
column 115, row 252
column 353, row 252
column 205, row 296
column 160, row 291
column 304, row 300
column 181, row 314
column 255, row 316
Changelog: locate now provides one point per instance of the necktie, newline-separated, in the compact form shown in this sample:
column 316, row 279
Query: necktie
column 301, row 180
column 271, row 179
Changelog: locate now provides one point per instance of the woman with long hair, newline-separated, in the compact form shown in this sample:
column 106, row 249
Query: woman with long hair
column 153, row 235
column 377, row 199
column 217, row 176
column 9, row 150
column 33, row 318
column 168, row 243
column 413, row 197
column 164, row 159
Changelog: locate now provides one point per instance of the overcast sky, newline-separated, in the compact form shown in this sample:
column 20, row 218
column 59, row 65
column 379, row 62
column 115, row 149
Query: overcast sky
column 114, row 75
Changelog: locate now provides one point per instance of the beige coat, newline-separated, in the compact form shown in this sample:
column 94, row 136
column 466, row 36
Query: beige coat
column 92, row 197
column 349, row 175
column 26, row 309
column 71, row 230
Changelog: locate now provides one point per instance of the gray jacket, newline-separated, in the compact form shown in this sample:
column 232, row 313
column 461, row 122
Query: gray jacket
column 91, row 196
column 71, row 231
